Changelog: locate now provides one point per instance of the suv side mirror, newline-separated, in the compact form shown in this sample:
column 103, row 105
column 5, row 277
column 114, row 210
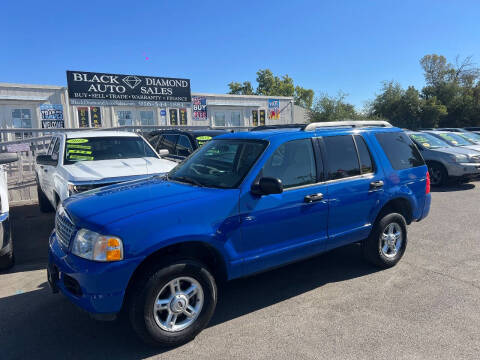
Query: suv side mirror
column 163, row 152
column 46, row 160
column 267, row 186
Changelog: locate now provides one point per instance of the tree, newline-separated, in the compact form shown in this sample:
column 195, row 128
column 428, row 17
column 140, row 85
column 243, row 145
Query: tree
column 271, row 85
column 241, row 89
column 303, row 97
column 436, row 69
column 332, row 108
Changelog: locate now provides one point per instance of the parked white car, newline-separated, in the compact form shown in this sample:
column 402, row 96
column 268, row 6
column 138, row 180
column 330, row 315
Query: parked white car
column 84, row 160
column 6, row 243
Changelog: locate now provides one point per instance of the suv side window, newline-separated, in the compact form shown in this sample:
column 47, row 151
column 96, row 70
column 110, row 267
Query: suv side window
column 366, row 162
column 293, row 163
column 400, row 150
column 341, row 157
column 55, row 150
column 168, row 142
column 52, row 144
column 184, row 146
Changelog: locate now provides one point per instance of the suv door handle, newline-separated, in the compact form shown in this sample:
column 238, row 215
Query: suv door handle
column 374, row 185
column 313, row 197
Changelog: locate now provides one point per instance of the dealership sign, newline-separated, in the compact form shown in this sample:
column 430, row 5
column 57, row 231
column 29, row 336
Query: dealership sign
column 273, row 109
column 52, row 116
column 87, row 88
column 199, row 105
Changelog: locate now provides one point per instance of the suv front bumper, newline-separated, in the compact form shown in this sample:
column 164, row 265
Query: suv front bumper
column 97, row 287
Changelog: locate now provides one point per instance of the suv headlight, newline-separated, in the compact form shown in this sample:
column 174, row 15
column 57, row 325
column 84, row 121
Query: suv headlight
column 93, row 246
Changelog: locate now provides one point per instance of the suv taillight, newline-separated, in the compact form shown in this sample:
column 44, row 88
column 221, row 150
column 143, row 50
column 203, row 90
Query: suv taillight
column 427, row 185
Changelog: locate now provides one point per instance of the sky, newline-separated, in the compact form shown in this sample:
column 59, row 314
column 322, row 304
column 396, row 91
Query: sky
column 328, row 46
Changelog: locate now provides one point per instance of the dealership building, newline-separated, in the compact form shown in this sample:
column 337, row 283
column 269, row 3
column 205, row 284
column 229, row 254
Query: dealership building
column 110, row 100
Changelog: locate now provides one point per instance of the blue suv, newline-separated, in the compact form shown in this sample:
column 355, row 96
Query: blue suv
column 241, row 204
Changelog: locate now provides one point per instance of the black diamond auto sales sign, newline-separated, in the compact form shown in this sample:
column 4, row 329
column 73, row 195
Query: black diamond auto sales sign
column 87, row 88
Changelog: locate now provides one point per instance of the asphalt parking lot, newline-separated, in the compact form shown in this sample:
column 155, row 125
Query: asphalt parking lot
column 334, row 306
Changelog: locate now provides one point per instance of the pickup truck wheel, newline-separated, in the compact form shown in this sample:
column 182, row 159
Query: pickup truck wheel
column 170, row 305
column 387, row 242
column 438, row 174
column 43, row 202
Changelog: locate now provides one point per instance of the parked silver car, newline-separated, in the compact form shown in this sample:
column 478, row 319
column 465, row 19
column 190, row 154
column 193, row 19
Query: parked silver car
column 454, row 139
column 6, row 245
column 473, row 137
column 446, row 162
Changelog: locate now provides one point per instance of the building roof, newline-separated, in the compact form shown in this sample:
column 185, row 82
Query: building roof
column 32, row 86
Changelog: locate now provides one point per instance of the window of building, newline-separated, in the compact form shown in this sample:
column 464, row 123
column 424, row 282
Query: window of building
column 235, row 119
column 341, row 157
column 293, row 163
column 400, row 150
column 124, row 118
column 366, row 162
column 146, row 118
column 22, row 118
column 219, row 119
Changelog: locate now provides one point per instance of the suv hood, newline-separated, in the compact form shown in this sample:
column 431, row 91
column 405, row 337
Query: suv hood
column 113, row 203
column 106, row 169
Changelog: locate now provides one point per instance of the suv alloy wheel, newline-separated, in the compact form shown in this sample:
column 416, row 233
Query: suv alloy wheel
column 170, row 305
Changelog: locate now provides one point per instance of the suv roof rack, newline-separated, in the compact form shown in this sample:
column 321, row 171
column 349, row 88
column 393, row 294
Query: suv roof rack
column 282, row 126
column 349, row 123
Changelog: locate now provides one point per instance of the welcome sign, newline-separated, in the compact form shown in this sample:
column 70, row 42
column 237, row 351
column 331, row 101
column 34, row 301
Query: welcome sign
column 88, row 88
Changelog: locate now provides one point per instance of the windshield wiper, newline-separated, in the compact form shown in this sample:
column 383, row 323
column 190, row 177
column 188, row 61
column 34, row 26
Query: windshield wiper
column 187, row 180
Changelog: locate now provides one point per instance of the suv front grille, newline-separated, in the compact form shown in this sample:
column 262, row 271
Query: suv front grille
column 64, row 228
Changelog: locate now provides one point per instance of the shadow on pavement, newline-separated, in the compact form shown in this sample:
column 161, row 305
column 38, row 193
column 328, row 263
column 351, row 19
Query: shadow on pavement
column 453, row 187
column 41, row 325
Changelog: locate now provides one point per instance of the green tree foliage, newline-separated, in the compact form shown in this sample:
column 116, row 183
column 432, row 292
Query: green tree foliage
column 333, row 108
column 303, row 97
column 271, row 85
column 451, row 97
column 241, row 89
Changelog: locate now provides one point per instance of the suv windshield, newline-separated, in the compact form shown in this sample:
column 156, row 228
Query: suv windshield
column 454, row 139
column 219, row 163
column 428, row 141
column 106, row 148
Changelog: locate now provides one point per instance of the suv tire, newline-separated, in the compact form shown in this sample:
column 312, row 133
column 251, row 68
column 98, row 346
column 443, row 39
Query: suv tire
column 43, row 202
column 155, row 287
column 387, row 242
column 438, row 174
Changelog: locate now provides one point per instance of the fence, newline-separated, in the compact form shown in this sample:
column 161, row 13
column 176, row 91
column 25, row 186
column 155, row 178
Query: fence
column 28, row 143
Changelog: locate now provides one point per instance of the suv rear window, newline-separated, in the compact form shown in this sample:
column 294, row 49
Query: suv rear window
column 400, row 150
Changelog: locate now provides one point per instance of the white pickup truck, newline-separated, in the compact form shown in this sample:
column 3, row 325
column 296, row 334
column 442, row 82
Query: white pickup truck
column 84, row 160
column 6, row 244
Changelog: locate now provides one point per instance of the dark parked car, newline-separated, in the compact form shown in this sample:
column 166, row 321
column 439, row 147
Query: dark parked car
column 181, row 143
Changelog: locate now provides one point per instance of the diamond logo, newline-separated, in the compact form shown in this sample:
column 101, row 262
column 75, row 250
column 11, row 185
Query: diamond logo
column 132, row 81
